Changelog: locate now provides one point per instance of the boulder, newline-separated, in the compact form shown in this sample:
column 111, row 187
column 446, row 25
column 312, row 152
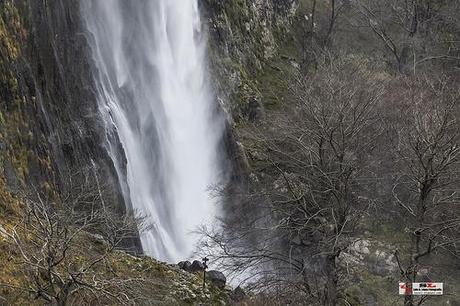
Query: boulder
column 217, row 278
column 196, row 266
column 185, row 265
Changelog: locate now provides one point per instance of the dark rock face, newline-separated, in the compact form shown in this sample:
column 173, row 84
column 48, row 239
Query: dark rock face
column 185, row 265
column 191, row 267
column 53, row 79
column 196, row 266
column 49, row 119
column 243, row 36
column 50, row 125
column 217, row 278
column 12, row 180
column 60, row 70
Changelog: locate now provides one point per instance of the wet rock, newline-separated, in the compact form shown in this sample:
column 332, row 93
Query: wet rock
column 376, row 257
column 382, row 263
column 196, row 266
column 254, row 109
column 217, row 278
column 12, row 180
column 185, row 265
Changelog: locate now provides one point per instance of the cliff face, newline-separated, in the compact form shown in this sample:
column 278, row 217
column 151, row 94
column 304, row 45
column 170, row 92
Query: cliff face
column 51, row 133
column 245, row 36
column 50, row 126
column 50, row 123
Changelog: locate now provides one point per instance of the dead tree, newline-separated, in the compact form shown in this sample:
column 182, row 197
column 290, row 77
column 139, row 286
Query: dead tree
column 406, row 27
column 304, row 208
column 427, row 184
column 63, row 244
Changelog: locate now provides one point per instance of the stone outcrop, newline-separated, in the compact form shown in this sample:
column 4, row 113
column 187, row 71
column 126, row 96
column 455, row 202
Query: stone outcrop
column 376, row 257
column 244, row 35
column 217, row 278
column 51, row 126
column 49, row 119
column 192, row 267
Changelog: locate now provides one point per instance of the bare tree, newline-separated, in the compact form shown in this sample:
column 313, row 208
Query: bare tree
column 52, row 242
column 306, row 205
column 406, row 28
column 427, row 184
column 319, row 24
column 323, row 33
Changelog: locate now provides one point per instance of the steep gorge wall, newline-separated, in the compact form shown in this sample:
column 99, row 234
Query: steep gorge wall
column 49, row 121
column 245, row 38
column 50, row 126
column 245, row 35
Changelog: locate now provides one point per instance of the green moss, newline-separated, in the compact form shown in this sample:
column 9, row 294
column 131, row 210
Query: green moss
column 17, row 137
column 14, row 127
column 387, row 233
column 265, row 51
column 352, row 296
column 274, row 81
column 382, row 290
column 162, row 283
column 9, row 205
column 12, row 31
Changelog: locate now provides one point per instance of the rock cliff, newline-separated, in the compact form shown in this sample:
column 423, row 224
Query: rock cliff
column 50, row 125
column 50, row 128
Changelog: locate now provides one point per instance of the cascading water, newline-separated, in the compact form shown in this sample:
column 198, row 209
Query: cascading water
column 155, row 99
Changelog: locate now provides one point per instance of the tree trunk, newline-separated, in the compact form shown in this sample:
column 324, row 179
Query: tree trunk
column 63, row 294
column 330, row 290
column 409, row 300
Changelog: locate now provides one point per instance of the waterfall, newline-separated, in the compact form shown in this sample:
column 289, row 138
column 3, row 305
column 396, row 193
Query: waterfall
column 155, row 99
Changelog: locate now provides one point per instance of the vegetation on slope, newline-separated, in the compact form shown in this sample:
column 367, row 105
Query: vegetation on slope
column 26, row 167
column 49, row 257
column 410, row 223
column 264, row 53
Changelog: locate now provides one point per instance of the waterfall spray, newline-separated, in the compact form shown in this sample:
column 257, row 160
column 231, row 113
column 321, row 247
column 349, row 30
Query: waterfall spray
column 155, row 98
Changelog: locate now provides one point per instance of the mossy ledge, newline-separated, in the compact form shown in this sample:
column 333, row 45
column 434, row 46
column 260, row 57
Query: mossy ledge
column 156, row 283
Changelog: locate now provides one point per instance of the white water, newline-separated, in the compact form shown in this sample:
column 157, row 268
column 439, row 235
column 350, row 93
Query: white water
column 155, row 98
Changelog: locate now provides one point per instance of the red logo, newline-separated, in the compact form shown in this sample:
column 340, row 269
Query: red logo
column 407, row 288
